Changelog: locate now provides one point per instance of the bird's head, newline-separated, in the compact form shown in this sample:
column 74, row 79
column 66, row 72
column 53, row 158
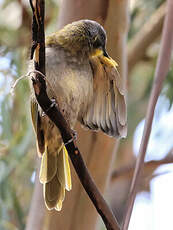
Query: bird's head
column 84, row 37
column 96, row 38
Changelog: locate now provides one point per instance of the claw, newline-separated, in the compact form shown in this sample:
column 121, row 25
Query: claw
column 74, row 138
column 74, row 133
column 52, row 104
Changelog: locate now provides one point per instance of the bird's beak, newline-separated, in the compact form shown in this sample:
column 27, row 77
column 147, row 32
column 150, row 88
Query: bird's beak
column 105, row 53
column 108, row 60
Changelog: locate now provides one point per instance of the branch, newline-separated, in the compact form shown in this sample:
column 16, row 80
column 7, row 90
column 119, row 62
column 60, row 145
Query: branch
column 53, row 112
column 150, row 165
column 145, row 37
column 161, row 71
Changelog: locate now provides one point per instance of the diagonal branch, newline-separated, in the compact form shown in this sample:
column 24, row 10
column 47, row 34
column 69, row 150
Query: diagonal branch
column 161, row 71
column 53, row 112
column 144, row 38
column 148, row 166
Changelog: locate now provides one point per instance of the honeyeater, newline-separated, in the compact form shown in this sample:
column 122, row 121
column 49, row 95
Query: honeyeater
column 83, row 80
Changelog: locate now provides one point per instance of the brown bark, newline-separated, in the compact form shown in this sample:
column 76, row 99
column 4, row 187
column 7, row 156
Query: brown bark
column 116, row 26
column 80, row 9
column 78, row 212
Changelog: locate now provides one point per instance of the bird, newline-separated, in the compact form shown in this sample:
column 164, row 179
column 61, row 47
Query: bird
column 84, row 81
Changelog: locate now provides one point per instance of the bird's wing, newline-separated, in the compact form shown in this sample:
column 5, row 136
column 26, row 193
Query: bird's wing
column 36, row 120
column 107, row 110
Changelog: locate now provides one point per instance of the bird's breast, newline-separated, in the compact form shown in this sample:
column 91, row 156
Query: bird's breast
column 70, row 82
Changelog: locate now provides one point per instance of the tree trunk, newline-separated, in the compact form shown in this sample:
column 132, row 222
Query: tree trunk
column 37, row 210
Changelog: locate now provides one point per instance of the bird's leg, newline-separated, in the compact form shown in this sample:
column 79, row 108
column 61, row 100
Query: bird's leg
column 74, row 133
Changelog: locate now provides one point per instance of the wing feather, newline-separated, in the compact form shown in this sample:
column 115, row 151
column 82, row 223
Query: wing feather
column 107, row 110
column 36, row 120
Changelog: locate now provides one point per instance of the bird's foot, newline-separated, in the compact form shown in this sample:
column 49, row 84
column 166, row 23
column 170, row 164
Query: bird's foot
column 52, row 104
column 74, row 138
column 74, row 133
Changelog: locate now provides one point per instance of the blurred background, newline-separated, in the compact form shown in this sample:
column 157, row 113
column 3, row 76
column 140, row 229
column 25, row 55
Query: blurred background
column 138, row 25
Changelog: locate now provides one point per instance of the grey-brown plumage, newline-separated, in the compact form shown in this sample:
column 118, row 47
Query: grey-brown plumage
column 83, row 80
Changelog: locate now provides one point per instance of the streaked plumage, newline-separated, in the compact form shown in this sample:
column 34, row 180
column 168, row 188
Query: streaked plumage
column 83, row 80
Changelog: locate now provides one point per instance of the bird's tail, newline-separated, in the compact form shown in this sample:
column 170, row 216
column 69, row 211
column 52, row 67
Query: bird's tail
column 55, row 176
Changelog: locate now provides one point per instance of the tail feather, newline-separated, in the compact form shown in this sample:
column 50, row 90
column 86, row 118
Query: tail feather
column 61, row 199
column 58, row 206
column 52, row 192
column 48, row 167
column 55, row 176
column 63, row 170
column 67, row 171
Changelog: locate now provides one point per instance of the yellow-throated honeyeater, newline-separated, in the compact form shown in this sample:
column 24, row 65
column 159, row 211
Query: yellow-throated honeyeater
column 84, row 82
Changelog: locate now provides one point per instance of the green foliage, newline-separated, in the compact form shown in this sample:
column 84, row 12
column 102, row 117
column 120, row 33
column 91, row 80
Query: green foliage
column 169, row 86
column 140, row 13
column 15, row 145
column 152, row 4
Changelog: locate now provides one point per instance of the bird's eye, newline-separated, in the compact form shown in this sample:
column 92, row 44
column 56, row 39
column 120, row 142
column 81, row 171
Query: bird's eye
column 97, row 43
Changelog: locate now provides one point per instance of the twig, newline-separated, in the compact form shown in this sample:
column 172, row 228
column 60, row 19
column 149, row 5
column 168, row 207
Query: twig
column 55, row 115
column 144, row 38
column 162, row 68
